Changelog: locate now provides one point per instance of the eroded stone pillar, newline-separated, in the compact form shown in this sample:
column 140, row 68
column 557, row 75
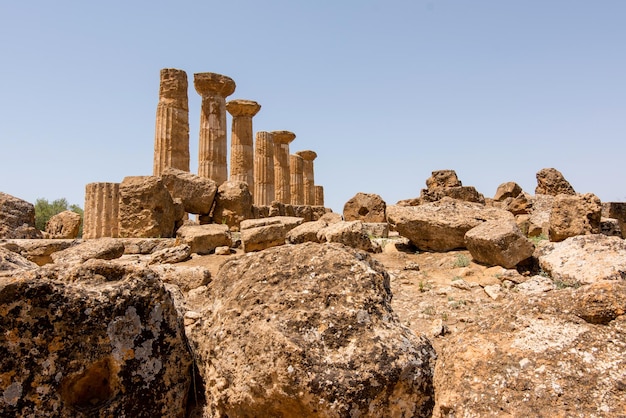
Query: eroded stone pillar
column 214, row 88
column 171, row 135
column 319, row 195
column 241, row 140
column 309, row 179
column 263, row 169
column 282, row 176
column 101, row 215
column 296, row 167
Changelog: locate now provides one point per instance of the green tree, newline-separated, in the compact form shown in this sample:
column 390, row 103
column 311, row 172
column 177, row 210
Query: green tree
column 45, row 210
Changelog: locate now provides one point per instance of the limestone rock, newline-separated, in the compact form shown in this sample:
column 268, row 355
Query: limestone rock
column 610, row 227
column 365, row 207
column 11, row 263
column 441, row 226
column 498, row 243
column 64, row 225
column 306, row 232
column 203, row 239
column 110, row 347
column 443, row 179
column 307, row 330
column 185, row 277
column 259, row 234
column 550, row 181
column 100, row 248
column 233, row 204
column 17, row 218
column 197, row 193
column 509, row 189
column 465, row 193
column 574, row 215
column 584, row 259
column 39, row 251
column 541, row 208
column 519, row 205
column 616, row 210
column 147, row 245
column 146, row 209
column 353, row 234
column 171, row 255
column 534, row 357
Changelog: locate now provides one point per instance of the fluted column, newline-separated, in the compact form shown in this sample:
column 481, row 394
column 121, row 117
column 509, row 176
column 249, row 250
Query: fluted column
column 171, row 134
column 214, row 88
column 282, row 176
column 263, row 169
column 101, row 213
column 309, row 178
column 296, row 166
column 241, row 140
column 319, row 195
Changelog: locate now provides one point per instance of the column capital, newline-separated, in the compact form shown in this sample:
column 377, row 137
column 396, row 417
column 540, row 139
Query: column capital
column 307, row 155
column 283, row 137
column 213, row 84
column 240, row 107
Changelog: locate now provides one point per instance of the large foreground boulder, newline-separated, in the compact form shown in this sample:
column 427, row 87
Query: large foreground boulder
column 108, row 344
column 307, row 330
column 12, row 263
column 17, row 218
column 584, row 259
column 441, row 226
column 556, row 354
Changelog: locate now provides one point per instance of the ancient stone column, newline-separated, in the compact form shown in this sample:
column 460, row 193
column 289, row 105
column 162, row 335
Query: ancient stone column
column 282, row 176
column 319, row 195
column 101, row 213
column 241, row 140
column 214, row 88
column 263, row 169
column 296, row 167
column 171, row 135
column 309, row 180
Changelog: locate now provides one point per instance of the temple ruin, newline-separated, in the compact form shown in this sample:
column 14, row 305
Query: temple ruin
column 262, row 161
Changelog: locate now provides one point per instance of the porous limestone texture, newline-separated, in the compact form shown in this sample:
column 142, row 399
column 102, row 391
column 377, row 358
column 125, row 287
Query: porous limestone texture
column 197, row 193
column 498, row 243
column 101, row 213
column 573, row 215
column 506, row 190
column 441, row 226
column 214, row 88
column 38, row 251
column 85, row 342
column 307, row 330
column 366, row 207
column 233, row 204
column 584, row 259
column 551, row 181
column 146, row 209
column 102, row 248
column 242, row 138
column 171, row 134
column 64, row 225
column 203, row 239
column 259, row 234
column 17, row 218
column 12, row 262
column 558, row 353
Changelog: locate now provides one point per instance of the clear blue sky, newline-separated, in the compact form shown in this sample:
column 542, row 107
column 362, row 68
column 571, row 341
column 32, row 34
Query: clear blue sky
column 384, row 91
